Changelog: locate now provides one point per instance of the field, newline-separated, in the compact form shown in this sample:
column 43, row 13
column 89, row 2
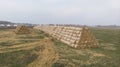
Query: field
column 35, row 50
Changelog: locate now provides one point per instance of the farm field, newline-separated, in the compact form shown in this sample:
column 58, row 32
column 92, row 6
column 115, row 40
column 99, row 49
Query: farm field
column 40, row 50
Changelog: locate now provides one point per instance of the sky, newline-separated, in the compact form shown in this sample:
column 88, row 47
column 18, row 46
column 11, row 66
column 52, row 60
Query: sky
column 84, row 12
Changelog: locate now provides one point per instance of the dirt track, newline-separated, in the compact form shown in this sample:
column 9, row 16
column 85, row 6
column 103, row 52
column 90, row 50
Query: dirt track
column 19, row 47
column 47, row 57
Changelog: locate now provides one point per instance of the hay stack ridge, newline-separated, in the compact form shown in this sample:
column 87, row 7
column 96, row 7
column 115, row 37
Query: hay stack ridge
column 73, row 36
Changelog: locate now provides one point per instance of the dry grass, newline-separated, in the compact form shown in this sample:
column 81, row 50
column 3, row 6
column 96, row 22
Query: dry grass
column 47, row 57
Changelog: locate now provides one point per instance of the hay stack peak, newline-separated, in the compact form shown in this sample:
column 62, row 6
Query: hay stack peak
column 22, row 29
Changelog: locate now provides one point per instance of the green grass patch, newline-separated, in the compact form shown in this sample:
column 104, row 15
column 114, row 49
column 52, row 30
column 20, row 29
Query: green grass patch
column 17, row 58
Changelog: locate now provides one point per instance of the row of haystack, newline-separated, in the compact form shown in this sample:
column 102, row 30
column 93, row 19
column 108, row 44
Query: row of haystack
column 73, row 36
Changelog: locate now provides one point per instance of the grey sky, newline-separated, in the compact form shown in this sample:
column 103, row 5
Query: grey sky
column 90, row 12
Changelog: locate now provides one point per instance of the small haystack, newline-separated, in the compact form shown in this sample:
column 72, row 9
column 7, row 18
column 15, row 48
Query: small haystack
column 22, row 30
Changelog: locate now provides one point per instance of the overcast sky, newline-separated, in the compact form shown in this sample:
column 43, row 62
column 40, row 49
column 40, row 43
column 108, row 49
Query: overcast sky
column 88, row 12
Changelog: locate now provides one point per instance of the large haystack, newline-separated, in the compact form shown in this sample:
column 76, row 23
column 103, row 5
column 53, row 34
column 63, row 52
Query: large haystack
column 22, row 30
column 73, row 36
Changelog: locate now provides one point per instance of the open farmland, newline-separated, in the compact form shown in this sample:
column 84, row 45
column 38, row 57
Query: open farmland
column 31, row 50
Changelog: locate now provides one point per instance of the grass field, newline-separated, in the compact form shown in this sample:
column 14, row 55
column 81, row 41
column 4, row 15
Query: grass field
column 20, row 50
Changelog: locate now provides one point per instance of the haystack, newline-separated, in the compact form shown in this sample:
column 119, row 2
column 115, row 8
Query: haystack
column 73, row 36
column 22, row 30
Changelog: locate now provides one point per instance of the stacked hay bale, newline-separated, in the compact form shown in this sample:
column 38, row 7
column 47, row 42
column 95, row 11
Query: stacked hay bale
column 22, row 30
column 73, row 36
